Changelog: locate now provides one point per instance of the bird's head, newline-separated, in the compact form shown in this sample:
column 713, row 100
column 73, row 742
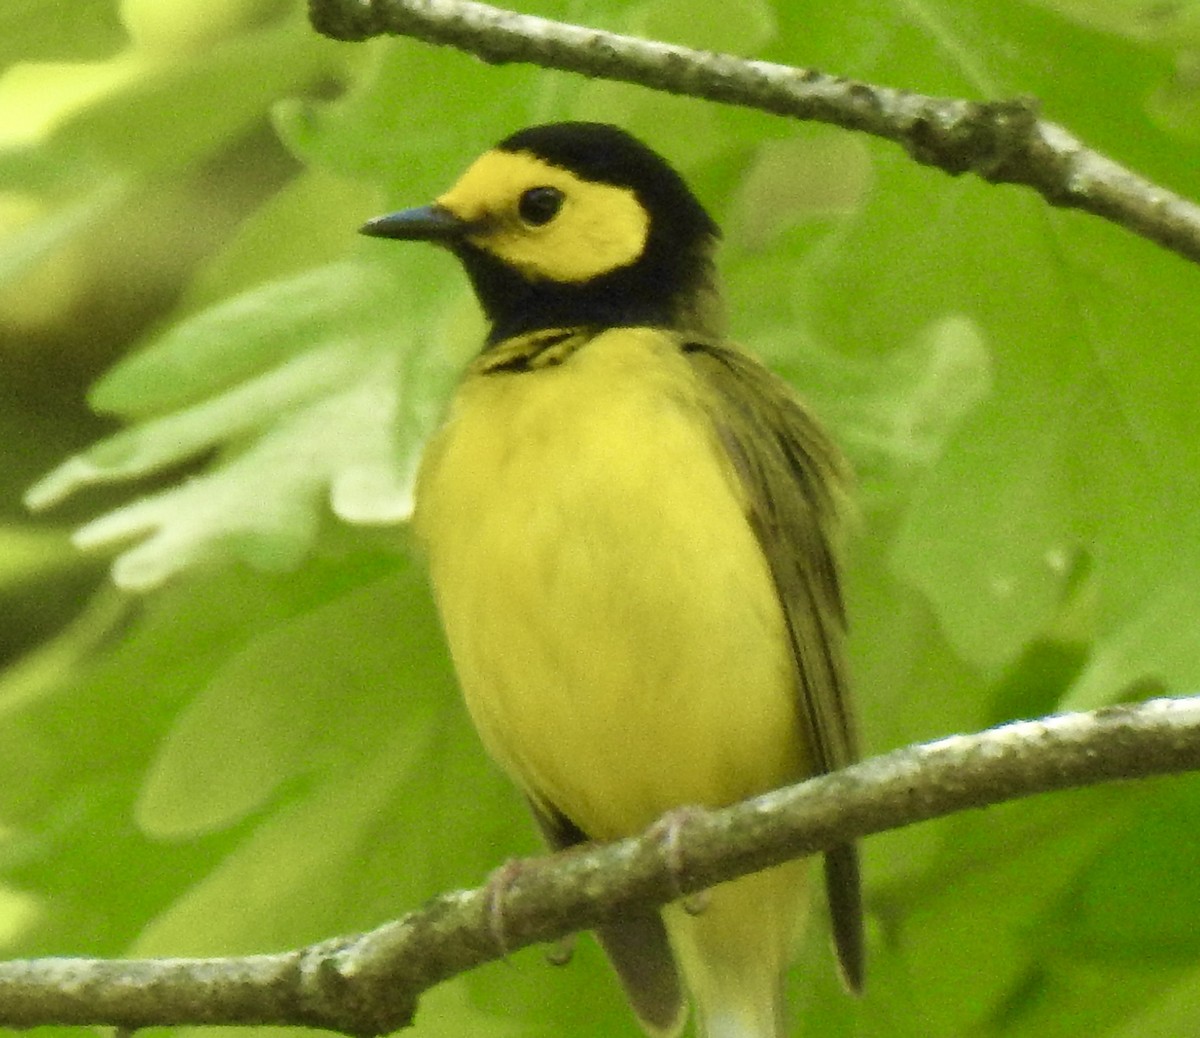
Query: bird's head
column 574, row 224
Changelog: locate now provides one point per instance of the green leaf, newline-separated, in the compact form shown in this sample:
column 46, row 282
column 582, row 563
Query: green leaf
column 222, row 348
column 29, row 552
column 313, row 215
column 34, row 30
column 322, row 413
column 1106, row 917
column 23, row 247
column 182, row 108
column 272, row 714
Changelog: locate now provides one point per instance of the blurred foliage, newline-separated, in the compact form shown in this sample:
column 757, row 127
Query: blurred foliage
column 266, row 747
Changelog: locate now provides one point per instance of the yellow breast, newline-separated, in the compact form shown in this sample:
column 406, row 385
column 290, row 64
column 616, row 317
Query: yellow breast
column 612, row 619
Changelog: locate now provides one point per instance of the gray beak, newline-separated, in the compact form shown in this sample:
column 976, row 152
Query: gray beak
column 425, row 223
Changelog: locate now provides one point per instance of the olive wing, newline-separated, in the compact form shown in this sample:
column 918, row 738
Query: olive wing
column 794, row 480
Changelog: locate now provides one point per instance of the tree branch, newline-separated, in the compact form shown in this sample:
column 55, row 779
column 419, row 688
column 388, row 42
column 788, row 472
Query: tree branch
column 368, row 984
column 1003, row 142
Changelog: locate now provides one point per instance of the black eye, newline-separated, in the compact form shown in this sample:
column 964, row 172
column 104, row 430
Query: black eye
column 539, row 205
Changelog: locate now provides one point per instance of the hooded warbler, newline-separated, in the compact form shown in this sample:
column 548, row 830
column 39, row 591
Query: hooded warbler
column 631, row 526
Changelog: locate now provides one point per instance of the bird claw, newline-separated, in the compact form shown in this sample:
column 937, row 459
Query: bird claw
column 561, row 951
column 557, row 954
column 494, row 890
column 668, row 830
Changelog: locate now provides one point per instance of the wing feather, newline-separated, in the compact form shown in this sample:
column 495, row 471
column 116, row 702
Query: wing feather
column 794, row 480
column 637, row 945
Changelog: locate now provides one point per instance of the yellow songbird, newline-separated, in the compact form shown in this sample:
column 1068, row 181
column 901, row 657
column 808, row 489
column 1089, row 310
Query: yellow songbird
column 630, row 528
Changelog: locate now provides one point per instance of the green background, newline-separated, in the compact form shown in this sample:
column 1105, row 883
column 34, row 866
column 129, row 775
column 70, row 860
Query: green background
column 254, row 741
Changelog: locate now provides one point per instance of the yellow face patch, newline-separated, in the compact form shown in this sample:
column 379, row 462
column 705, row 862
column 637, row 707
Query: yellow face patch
column 598, row 229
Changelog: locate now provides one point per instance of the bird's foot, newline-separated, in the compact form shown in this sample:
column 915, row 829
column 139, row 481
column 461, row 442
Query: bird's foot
column 494, row 890
column 561, row 951
column 668, row 830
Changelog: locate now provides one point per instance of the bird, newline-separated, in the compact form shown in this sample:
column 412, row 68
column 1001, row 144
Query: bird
column 633, row 529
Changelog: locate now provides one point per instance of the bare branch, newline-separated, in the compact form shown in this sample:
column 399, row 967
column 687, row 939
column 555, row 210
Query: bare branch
column 1001, row 141
column 369, row 984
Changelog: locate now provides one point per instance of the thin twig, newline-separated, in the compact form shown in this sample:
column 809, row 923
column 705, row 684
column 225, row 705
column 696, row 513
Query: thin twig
column 1000, row 141
column 369, row 984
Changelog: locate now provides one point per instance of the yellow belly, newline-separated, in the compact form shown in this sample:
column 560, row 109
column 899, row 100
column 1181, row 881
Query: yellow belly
column 612, row 619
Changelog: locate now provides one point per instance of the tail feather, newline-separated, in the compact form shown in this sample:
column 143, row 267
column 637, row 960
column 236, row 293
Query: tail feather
column 844, row 887
column 734, row 952
column 637, row 947
column 640, row 954
column 740, row 1027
